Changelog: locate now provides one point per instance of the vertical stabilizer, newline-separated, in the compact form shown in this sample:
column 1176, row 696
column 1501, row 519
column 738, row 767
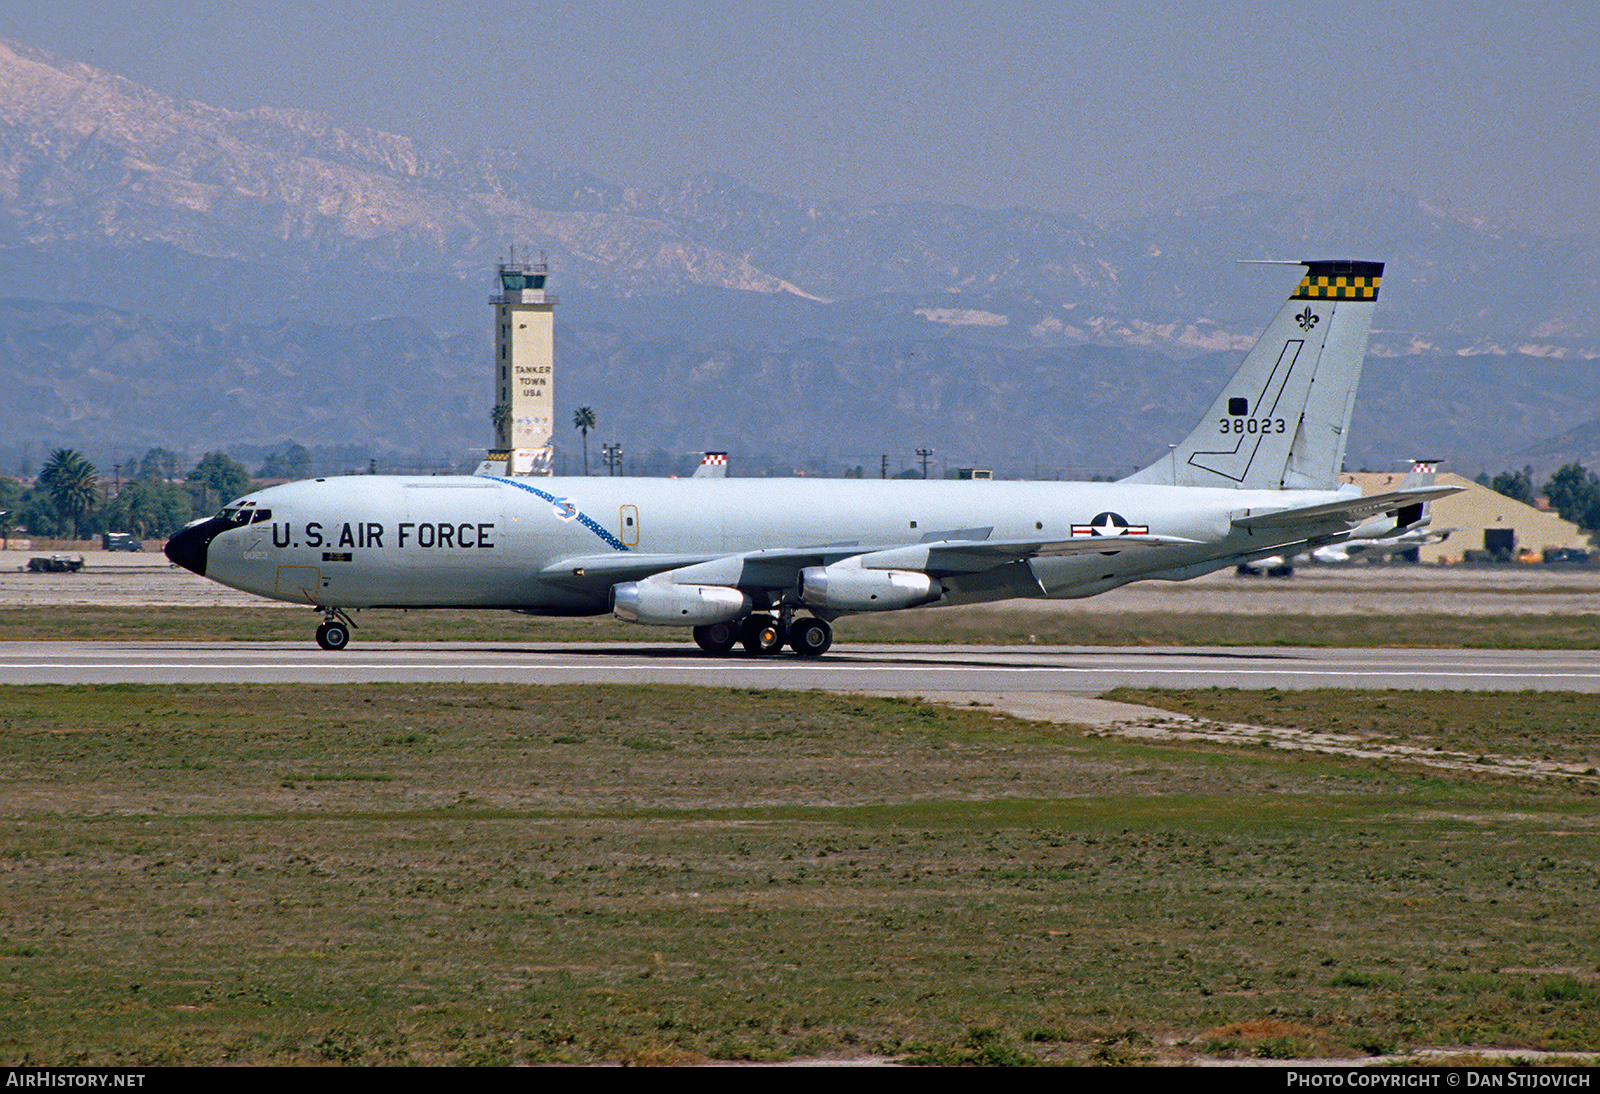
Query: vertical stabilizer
column 1423, row 473
column 713, row 465
column 1282, row 419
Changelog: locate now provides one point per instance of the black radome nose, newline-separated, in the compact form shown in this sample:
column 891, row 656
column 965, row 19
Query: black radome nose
column 188, row 548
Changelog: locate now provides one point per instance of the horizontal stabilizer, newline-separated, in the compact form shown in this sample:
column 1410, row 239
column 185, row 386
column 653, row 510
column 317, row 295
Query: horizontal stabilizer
column 1351, row 511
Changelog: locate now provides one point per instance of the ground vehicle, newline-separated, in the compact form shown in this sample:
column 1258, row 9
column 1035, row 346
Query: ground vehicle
column 55, row 564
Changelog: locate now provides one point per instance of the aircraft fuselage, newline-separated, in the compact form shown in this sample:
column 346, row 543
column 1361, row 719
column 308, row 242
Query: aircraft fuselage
column 379, row 541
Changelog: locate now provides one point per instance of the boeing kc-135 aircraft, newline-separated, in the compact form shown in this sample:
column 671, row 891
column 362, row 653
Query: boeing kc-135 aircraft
column 771, row 563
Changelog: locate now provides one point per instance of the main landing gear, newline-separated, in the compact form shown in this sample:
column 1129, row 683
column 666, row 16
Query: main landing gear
column 763, row 635
column 810, row 637
column 334, row 633
column 717, row 637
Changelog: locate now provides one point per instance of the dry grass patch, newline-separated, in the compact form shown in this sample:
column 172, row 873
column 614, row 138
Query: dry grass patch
column 464, row 874
column 1558, row 727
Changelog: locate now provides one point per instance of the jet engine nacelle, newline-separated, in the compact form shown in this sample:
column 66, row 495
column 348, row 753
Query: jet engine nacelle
column 844, row 587
column 662, row 604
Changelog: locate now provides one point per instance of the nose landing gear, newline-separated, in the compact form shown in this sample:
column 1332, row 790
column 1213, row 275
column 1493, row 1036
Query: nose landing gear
column 334, row 633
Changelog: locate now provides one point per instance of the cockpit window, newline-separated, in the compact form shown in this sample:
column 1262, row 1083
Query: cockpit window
column 238, row 516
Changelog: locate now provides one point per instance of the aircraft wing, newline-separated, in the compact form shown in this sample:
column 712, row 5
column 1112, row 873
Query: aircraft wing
column 770, row 568
column 973, row 556
column 618, row 566
column 780, row 568
column 1351, row 511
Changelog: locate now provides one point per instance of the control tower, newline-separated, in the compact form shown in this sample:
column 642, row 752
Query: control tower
column 525, row 353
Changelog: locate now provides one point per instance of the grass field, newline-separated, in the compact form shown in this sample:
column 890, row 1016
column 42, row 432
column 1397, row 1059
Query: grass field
column 456, row 874
column 976, row 625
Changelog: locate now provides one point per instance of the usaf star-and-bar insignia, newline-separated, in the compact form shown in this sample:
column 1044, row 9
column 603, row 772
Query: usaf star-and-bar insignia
column 1110, row 524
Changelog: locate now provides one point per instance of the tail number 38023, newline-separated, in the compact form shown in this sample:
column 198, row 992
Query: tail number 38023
column 1253, row 425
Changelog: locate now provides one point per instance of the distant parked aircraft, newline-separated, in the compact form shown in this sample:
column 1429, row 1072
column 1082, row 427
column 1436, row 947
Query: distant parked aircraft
column 1419, row 534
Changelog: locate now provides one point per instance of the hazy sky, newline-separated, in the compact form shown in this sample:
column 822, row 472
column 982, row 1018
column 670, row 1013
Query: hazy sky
column 1110, row 111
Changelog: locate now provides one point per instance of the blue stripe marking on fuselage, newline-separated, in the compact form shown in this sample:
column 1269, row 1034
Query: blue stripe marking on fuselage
column 582, row 518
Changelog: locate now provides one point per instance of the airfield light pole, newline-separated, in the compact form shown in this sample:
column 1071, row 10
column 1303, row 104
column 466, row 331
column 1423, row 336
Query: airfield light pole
column 613, row 457
column 924, row 454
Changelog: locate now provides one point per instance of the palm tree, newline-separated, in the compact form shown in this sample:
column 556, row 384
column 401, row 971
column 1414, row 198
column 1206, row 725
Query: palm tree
column 583, row 421
column 501, row 416
column 70, row 481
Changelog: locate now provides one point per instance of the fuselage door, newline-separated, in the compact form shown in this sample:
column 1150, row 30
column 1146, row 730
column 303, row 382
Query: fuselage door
column 301, row 583
column 629, row 526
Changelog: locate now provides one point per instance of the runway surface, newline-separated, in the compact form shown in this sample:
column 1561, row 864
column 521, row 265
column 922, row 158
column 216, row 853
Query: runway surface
column 117, row 579
column 899, row 669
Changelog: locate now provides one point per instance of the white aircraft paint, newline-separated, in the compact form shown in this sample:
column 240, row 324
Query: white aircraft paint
column 739, row 558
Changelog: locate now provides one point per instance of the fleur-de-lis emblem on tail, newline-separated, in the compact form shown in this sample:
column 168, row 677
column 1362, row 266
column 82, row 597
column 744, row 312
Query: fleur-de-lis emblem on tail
column 1306, row 319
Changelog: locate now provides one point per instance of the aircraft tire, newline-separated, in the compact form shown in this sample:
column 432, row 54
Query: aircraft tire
column 762, row 635
column 716, row 637
column 333, row 636
column 810, row 637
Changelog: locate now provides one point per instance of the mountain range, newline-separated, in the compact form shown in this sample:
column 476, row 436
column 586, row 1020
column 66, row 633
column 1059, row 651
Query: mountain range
column 181, row 275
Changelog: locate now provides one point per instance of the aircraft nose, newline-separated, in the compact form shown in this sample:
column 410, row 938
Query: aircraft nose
column 188, row 547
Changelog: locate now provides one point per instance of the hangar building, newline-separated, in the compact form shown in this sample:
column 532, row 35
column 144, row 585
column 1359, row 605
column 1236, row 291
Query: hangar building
column 1483, row 521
